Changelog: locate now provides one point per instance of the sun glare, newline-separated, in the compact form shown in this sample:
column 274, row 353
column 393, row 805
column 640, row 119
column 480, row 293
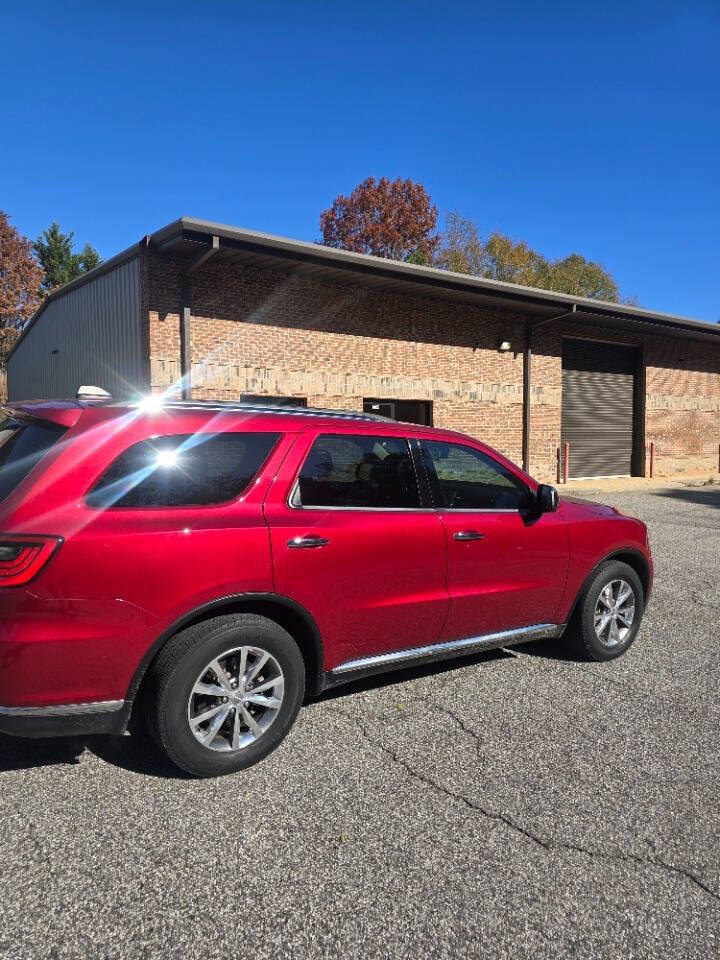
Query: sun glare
column 167, row 458
column 152, row 403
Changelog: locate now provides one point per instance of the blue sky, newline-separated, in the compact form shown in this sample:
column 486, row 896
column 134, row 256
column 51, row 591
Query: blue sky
column 576, row 127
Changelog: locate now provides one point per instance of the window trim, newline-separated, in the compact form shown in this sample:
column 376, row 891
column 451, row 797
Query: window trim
column 426, row 503
column 434, row 484
column 181, row 506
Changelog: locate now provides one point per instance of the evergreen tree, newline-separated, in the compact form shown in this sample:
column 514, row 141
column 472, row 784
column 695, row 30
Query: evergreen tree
column 54, row 250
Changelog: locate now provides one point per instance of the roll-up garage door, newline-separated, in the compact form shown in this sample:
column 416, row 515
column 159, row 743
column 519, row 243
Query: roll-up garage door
column 598, row 385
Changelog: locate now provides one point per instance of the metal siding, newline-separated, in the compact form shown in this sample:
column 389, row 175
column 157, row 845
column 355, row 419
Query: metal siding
column 598, row 383
column 96, row 330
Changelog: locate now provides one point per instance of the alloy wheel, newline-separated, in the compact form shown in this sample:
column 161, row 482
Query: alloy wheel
column 235, row 699
column 614, row 612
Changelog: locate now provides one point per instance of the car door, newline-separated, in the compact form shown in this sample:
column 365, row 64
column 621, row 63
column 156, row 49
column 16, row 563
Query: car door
column 507, row 563
column 357, row 544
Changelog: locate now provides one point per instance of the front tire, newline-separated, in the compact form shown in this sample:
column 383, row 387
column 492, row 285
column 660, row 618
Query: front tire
column 224, row 693
column 609, row 611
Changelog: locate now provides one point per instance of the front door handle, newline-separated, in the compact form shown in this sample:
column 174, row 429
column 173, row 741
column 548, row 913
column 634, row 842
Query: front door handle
column 308, row 542
column 468, row 535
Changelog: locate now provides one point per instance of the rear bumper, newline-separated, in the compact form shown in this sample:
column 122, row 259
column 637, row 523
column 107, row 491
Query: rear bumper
column 64, row 720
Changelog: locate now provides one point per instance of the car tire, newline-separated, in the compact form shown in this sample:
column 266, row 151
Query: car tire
column 199, row 673
column 599, row 629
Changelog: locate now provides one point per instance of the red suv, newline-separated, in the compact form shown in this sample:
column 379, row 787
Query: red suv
column 211, row 563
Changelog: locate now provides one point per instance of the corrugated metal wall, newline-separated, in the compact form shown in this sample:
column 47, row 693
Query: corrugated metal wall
column 90, row 335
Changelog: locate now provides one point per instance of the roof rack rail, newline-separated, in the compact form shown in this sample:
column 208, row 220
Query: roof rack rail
column 280, row 409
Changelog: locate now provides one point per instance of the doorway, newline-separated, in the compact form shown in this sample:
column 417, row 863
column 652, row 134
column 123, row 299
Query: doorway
column 408, row 411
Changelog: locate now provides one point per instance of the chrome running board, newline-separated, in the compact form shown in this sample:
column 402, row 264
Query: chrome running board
column 63, row 709
column 540, row 631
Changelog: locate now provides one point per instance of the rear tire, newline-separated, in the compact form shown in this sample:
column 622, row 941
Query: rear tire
column 608, row 613
column 202, row 706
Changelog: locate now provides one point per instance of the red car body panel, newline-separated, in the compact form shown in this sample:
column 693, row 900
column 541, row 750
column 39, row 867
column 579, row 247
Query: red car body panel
column 513, row 577
column 388, row 580
column 381, row 583
column 597, row 531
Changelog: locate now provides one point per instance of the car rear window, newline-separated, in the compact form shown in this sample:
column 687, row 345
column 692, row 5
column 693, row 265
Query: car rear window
column 23, row 444
column 183, row 470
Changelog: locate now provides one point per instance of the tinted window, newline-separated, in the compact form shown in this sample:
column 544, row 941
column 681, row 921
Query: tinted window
column 466, row 479
column 22, row 446
column 274, row 401
column 201, row 468
column 358, row 471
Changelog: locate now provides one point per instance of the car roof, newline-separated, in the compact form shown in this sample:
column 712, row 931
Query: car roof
column 267, row 415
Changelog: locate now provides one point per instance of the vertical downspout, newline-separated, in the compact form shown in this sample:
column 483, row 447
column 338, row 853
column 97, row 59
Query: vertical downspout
column 527, row 386
column 185, row 362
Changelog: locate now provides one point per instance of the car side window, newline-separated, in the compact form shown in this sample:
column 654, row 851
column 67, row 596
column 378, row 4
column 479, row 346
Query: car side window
column 467, row 479
column 197, row 469
column 347, row 470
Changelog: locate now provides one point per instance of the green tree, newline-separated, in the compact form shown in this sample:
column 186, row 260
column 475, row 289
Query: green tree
column 581, row 278
column 461, row 248
column 513, row 261
column 419, row 257
column 54, row 250
column 499, row 257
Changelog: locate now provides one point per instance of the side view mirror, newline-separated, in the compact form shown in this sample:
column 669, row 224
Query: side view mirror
column 548, row 499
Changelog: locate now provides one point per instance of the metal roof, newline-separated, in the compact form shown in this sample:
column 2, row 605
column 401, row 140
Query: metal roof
column 191, row 239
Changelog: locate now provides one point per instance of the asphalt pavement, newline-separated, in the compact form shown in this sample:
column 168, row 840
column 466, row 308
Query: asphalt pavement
column 511, row 804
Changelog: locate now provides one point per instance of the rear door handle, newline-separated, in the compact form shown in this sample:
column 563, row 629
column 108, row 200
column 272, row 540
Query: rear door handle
column 468, row 535
column 308, row 542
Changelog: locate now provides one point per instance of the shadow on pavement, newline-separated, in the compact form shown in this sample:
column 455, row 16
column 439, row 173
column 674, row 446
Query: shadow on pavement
column 550, row 650
column 394, row 677
column 18, row 753
column 705, row 496
column 137, row 753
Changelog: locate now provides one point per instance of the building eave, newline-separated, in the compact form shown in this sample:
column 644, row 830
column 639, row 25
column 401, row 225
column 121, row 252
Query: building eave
column 184, row 236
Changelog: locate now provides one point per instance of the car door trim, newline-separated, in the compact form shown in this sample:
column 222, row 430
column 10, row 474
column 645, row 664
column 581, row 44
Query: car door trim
column 538, row 631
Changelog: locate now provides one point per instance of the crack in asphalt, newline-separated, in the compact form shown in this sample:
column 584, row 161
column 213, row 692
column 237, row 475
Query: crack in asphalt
column 694, row 598
column 549, row 845
column 440, row 708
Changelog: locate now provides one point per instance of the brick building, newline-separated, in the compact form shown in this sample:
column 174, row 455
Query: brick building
column 225, row 313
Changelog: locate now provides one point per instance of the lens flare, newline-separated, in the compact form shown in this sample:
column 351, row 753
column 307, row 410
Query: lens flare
column 152, row 403
column 167, row 458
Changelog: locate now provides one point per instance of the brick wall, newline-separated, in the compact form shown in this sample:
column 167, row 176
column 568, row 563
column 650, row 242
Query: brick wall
column 261, row 332
column 682, row 395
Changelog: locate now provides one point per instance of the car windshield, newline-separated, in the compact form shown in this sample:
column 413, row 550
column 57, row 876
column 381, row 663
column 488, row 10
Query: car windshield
column 22, row 446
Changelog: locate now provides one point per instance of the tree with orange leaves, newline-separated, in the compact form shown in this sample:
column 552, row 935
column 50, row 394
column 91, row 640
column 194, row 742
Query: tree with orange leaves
column 392, row 219
column 20, row 277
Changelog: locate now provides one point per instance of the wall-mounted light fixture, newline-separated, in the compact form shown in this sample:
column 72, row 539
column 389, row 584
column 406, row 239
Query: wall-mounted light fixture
column 505, row 346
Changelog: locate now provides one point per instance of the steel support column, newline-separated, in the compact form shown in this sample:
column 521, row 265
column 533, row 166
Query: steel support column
column 185, row 314
column 527, row 379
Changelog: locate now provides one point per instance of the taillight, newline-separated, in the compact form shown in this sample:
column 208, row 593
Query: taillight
column 22, row 558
